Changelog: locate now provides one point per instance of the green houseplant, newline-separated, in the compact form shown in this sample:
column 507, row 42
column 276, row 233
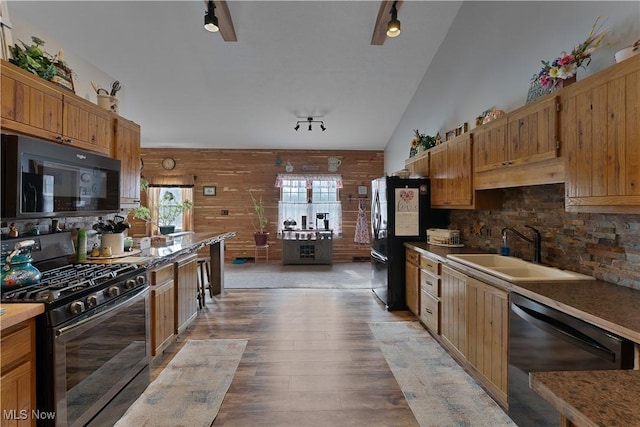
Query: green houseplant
column 169, row 209
column 260, row 235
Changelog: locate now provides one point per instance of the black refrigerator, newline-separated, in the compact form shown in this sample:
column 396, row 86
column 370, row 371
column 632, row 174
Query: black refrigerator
column 400, row 212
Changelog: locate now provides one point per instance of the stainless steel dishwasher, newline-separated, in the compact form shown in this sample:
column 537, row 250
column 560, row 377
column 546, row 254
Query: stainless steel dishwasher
column 544, row 339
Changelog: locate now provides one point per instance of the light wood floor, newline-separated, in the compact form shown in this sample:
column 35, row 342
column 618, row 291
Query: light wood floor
column 311, row 359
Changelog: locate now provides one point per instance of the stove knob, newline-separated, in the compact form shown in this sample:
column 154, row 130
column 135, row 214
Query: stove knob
column 141, row 280
column 92, row 301
column 129, row 284
column 112, row 291
column 76, row 307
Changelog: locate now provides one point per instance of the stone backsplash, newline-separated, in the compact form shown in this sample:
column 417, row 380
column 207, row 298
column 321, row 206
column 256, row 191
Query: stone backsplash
column 606, row 246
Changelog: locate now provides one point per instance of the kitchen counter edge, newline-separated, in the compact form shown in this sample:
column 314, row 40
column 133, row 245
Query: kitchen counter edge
column 16, row 313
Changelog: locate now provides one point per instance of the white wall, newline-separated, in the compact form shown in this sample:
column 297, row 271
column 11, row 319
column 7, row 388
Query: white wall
column 84, row 71
column 490, row 53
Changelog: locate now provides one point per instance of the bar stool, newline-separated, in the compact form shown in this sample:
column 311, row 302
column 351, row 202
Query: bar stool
column 264, row 248
column 203, row 270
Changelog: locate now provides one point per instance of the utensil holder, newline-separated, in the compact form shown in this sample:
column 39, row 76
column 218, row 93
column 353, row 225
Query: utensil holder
column 108, row 102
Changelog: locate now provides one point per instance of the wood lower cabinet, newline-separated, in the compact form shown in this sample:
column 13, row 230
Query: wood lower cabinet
column 430, row 292
column 412, row 280
column 162, row 308
column 454, row 311
column 600, row 129
column 488, row 335
column 17, row 374
column 186, row 291
column 126, row 147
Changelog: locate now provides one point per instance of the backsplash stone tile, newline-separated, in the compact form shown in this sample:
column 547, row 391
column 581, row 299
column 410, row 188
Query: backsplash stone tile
column 606, row 246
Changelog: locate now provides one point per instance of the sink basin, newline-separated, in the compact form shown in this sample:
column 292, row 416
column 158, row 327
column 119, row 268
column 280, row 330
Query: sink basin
column 515, row 269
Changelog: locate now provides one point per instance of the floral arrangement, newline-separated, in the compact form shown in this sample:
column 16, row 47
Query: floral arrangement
column 567, row 64
column 421, row 142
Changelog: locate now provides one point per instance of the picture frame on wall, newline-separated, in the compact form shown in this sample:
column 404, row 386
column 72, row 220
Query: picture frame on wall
column 209, row 190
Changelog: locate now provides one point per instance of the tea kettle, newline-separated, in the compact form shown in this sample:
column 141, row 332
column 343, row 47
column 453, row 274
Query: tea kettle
column 17, row 270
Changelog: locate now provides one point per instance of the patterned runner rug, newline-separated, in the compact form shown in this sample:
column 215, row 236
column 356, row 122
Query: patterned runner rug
column 190, row 390
column 439, row 392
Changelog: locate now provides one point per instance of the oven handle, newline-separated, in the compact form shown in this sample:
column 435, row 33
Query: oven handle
column 130, row 300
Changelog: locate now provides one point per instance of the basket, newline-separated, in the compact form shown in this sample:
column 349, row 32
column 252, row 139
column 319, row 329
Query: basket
column 443, row 237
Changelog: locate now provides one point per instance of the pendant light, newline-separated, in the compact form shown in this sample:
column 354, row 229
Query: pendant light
column 210, row 20
column 393, row 27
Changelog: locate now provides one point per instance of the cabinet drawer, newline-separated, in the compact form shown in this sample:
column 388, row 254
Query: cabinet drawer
column 162, row 274
column 430, row 312
column 430, row 265
column 429, row 283
column 412, row 256
column 16, row 345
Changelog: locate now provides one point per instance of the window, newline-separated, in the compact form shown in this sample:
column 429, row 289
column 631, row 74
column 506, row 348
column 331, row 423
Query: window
column 315, row 197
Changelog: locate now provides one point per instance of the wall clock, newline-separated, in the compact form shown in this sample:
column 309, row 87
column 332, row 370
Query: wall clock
column 168, row 163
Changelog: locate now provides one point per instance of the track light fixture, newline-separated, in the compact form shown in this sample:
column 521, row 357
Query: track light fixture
column 309, row 121
column 210, row 20
column 393, row 27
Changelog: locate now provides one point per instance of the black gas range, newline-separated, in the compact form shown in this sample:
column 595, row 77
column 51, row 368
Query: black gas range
column 92, row 342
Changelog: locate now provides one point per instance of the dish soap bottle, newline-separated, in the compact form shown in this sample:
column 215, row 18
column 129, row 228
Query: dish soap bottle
column 504, row 249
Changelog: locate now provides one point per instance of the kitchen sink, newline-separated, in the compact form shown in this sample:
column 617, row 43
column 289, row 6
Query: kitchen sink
column 515, row 269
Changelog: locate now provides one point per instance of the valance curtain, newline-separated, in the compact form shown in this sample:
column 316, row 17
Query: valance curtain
column 180, row 181
column 323, row 179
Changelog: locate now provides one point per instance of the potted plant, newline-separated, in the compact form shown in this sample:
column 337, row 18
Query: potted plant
column 169, row 209
column 260, row 235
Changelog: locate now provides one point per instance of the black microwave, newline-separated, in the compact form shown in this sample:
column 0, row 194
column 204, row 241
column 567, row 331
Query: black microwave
column 42, row 179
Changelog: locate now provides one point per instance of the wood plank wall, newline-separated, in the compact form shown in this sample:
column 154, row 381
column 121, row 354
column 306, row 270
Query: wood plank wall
column 234, row 172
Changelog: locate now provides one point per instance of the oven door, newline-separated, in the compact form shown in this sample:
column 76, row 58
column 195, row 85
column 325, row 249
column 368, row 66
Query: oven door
column 95, row 358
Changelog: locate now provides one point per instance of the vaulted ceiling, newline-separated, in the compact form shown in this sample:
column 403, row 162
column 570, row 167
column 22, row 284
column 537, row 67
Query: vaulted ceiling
column 189, row 88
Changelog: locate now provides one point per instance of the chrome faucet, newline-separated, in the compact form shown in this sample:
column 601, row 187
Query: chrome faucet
column 534, row 241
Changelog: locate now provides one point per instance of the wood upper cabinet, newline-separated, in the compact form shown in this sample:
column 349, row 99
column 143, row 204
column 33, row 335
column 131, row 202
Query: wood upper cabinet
column 18, row 373
column 412, row 281
column 126, row 147
column 85, row 125
column 451, row 173
column 33, row 106
column 454, row 311
column 186, row 291
column 29, row 104
column 488, row 335
column 520, row 148
column 419, row 164
column 601, row 135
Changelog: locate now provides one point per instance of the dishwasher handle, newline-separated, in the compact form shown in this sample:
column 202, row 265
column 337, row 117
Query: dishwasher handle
column 563, row 331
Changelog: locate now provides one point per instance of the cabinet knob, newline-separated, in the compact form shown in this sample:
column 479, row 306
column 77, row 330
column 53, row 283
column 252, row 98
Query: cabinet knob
column 59, row 138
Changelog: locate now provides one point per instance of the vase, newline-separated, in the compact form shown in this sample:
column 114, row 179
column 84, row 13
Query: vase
column 565, row 82
column 167, row 229
column 260, row 238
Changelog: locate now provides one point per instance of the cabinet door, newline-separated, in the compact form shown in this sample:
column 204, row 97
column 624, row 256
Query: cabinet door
column 126, row 147
column 29, row 106
column 451, row 174
column 85, row 125
column 15, row 390
column 439, row 171
column 490, row 145
column 453, row 317
column 533, row 132
column 601, row 135
column 162, row 316
column 186, row 282
column 419, row 164
column 412, row 287
column 487, row 334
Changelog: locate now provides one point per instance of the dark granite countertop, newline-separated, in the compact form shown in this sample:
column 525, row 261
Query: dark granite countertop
column 591, row 398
